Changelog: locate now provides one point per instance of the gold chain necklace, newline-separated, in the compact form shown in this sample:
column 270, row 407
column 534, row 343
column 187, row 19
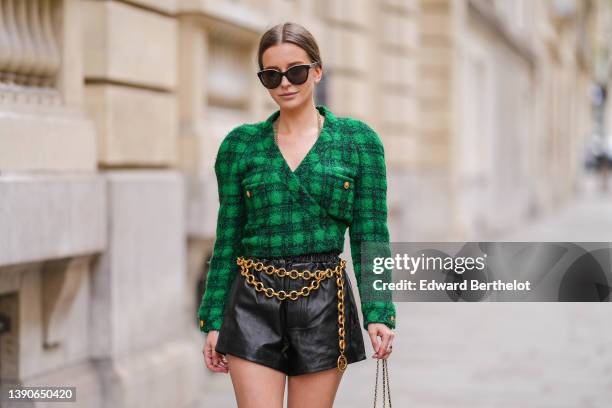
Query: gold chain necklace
column 275, row 127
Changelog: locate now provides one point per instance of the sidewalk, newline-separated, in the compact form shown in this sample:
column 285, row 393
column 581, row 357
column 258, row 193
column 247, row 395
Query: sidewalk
column 588, row 218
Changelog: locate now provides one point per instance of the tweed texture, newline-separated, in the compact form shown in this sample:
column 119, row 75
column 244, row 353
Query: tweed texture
column 266, row 209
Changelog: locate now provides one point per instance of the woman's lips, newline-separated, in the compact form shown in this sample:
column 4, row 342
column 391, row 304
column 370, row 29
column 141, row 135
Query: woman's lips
column 289, row 95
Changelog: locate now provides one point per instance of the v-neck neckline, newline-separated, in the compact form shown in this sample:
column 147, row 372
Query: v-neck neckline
column 324, row 111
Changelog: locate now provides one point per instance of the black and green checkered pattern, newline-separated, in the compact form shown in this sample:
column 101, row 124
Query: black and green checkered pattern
column 268, row 210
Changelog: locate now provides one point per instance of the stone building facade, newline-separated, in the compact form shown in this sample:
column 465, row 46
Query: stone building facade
column 504, row 110
column 111, row 113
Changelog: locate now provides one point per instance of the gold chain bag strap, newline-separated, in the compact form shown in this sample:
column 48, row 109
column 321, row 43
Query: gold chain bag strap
column 316, row 277
column 386, row 389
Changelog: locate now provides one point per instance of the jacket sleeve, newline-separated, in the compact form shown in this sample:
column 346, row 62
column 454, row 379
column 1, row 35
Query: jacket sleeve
column 369, row 224
column 230, row 221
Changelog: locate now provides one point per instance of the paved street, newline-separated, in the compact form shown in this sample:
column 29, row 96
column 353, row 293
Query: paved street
column 494, row 354
column 587, row 218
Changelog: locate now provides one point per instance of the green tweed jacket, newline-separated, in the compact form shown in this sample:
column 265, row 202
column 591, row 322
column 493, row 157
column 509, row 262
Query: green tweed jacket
column 268, row 210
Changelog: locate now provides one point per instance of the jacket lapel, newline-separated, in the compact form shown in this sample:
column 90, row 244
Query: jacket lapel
column 299, row 193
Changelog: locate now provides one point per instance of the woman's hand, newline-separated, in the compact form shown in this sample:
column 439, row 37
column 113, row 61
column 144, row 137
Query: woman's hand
column 215, row 362
column 382, row 348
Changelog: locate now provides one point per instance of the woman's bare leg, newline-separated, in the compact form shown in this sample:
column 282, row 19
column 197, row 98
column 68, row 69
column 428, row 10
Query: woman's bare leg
column 256, row 385
column 314, row 390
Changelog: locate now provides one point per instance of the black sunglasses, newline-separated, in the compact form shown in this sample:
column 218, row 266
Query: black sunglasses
column 297, row 75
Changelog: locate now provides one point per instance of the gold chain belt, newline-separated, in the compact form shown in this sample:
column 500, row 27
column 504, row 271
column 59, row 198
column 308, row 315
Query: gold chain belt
column 317, row 276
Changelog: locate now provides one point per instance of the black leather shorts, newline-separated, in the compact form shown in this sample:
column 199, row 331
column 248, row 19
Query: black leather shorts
column 293, row 336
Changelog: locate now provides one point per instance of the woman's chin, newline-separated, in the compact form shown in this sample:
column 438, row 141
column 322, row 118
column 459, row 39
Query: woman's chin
column 289, row 103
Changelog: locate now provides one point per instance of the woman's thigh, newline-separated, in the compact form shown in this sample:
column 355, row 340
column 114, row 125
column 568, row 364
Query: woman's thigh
column 313, row 390
column 256, row 385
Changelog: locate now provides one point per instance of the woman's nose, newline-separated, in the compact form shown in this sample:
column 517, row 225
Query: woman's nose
column 285, row 82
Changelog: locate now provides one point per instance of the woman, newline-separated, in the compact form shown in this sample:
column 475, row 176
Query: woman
column 278, row 300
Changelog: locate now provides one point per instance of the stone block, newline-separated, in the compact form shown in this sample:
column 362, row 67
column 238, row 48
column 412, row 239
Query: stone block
column 51, row 216
column 46, row 139
column 138, row 295
column 135, row 126
column 128, row 44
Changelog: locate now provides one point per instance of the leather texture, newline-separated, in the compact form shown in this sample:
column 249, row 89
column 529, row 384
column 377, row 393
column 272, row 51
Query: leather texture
column 293, row 336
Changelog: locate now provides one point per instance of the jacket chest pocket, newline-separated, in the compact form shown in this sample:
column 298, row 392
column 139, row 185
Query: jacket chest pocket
column 263, row 201
column 340, row 196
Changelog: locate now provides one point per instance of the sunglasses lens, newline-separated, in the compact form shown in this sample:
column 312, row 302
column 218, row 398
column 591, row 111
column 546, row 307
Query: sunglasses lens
column 270, row 78
column 298, row 74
